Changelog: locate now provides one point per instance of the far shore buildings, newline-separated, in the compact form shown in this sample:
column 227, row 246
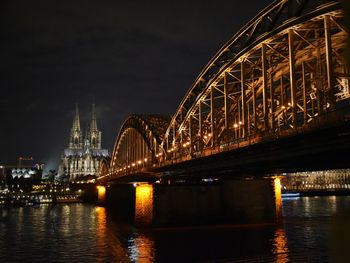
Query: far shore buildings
column 82, row 158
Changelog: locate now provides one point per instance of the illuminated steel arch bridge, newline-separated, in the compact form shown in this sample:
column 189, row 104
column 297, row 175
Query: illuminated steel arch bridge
column 283, row 73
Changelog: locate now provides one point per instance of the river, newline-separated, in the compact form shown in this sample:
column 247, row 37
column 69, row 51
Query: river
column 88, row 233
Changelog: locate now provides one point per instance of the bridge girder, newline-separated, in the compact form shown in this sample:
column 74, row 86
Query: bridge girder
column 287, row 72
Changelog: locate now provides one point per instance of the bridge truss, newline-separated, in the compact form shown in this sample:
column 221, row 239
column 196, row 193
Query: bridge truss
column 283, row 73
column 284, row 70
column 137, row 144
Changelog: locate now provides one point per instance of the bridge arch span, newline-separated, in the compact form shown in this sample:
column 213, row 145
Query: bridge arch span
column 105, row 167
column 281, row 72
column 138, row 143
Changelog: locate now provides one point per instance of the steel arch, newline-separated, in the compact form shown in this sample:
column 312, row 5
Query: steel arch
column 138, row 142
column 281, row 74
column 255, row 48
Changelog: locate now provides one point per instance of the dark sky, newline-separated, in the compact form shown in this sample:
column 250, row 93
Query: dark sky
column 126, row 56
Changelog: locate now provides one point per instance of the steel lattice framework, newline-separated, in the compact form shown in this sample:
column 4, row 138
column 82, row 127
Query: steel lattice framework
column 137, row 143
column 284, row 72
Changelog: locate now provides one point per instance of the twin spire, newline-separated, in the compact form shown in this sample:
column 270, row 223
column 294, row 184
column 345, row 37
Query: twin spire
column 93, row 122
column 93, row 135
column 76, row 120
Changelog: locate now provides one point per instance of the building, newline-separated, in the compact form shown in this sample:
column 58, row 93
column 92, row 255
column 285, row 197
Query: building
column 327, row 180
column 22, row 178
column 82, row 158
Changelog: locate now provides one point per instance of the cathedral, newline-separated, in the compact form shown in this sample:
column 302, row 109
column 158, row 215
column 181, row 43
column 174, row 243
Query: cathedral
column 82, row 158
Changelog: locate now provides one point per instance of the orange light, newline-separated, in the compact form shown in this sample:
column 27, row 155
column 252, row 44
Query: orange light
column 144, row 204
column 278, row 198
column 101, row 194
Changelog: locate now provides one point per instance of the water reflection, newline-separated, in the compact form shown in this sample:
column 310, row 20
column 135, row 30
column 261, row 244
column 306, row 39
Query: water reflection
column 280, row 246
column 77, row 232
column 101, row 230
column 109, row 239
column 141, row 248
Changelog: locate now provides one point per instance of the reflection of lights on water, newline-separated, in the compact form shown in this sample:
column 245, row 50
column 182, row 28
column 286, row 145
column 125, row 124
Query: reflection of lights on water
column 101, row 222
column 333, row 203
column 307, row 206
column 141, row 249
column 280, row 246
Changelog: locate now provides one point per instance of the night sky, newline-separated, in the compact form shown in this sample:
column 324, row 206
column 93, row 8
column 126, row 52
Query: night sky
column 126, row 56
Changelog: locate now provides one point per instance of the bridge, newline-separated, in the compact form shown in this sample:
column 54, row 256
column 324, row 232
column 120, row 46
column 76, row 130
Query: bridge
column 274, row 98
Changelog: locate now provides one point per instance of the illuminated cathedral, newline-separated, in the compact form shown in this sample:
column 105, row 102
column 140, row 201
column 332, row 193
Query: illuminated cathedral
column 82, row 158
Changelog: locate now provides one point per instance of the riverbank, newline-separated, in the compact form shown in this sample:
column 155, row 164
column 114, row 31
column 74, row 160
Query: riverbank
column 34, row 200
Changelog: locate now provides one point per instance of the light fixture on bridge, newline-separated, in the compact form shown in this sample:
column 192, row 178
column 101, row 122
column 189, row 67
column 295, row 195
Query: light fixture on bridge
column 235, row 125
column 186, row 144
column 133, row 164
column 139, row 162
column 145, row 160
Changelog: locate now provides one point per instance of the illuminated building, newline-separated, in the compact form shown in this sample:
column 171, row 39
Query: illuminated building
column 23, row 178
column 327, row 180
column 82, row 158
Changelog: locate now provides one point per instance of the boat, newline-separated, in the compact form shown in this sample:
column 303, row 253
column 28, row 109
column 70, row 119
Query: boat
column 290, row 196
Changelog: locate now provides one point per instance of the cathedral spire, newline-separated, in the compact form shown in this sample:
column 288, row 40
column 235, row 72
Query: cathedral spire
column 94, row 135
column 75, row 141
column 93, row 123
column 76, row 119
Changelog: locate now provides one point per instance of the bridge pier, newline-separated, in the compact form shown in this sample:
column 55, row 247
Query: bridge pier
column 226, row 202
column 233, row 201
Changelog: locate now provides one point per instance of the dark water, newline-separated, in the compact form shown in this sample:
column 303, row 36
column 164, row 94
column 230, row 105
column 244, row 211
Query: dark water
column 85, row 233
